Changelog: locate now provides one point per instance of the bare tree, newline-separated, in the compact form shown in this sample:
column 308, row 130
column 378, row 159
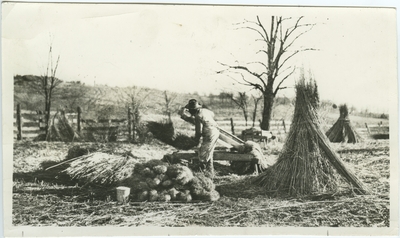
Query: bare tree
column 93, row 98
column 277, row 43
column 168, row 101
column 47, row 85
column 225, row 96
column 134, row 97
column 242, row 102
column 73, row 94
column 256, row 100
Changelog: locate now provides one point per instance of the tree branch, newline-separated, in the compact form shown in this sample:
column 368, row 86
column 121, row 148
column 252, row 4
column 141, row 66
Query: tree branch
column 278, row 23
column 251, row 28
column 279, row 40
column 255, row 85
column 262, row 51
column 299, row 35
column 258, row 62
column 247, row 83
column 236, row 102
column 280, row 83
column 239, row 67
column 290, row 30
column 263, row 28
column 293, row 54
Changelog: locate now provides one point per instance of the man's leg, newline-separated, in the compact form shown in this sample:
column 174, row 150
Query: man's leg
column 210, row 162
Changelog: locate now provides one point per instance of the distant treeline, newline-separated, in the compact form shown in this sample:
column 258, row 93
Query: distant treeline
column 106, row 102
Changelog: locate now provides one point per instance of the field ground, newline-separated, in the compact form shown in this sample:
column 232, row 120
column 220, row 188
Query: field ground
column 50, row 198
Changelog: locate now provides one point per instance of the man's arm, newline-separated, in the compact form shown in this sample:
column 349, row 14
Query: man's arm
column 185, row 115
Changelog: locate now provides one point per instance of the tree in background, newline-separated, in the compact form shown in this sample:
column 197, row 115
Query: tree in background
column 73, row 94
column 168, row 103
column 256, row 100
column 133, row 98
column 277, row 40
column 25, row 94
column 225, row 96
column 211, row 98
column 242, row 102
column 47, row 84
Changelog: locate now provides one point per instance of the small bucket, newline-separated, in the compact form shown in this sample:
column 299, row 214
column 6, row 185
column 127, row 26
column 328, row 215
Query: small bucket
column 123, row 194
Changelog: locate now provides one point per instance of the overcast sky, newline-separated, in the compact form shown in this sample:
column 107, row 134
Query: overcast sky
column 178, row 47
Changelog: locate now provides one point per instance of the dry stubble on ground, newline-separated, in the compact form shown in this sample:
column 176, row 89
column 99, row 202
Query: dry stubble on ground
column 49, row 198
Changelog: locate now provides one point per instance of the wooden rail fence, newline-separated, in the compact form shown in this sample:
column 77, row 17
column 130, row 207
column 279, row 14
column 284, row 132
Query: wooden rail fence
column 236, row 127
column 279, row 127
column 30, row 124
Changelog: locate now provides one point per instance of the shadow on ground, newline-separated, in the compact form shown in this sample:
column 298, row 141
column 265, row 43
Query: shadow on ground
column 238, row 187
column 52, row 175
column 54, row 182
column 78, row 194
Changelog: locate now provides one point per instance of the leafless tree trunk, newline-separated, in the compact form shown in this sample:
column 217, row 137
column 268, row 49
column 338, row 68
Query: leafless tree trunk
column 133, row 98
column 278, row 41
column 256, row 101
column 47, row 85
column 168, row 102
column 242, row 102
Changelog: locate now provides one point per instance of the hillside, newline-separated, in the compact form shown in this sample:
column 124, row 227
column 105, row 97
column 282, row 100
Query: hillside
column 72, row 94
column 98, row 100
column 102, row 101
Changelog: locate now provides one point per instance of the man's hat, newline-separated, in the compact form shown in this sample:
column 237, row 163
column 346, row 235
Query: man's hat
column 193, row 104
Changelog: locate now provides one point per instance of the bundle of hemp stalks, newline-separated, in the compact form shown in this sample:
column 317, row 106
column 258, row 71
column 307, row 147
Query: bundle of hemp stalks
column 307, row 163
column 60, row 129
column 101, row 168
column 342, row 130
column 165, row 132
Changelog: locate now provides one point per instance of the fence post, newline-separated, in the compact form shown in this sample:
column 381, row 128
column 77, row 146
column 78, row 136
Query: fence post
column 232, row 127
column 284, row 126
column 129, row 125
column 19, row 122
column 79, row 118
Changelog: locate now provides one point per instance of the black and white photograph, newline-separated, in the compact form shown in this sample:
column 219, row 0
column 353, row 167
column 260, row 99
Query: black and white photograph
column 199, row 119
